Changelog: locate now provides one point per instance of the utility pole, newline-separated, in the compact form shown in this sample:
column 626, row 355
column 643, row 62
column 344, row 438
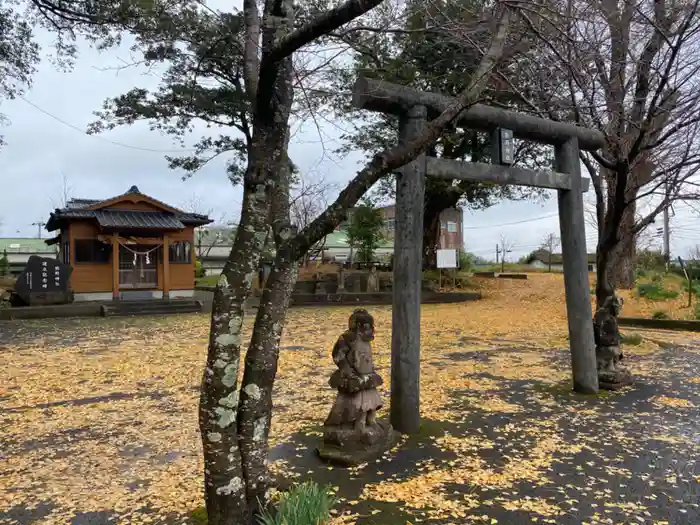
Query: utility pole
column 667, row 239
column 504, row 248
column 39, row 225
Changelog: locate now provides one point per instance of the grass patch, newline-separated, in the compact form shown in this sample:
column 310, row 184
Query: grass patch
column 693, row 285
column 631, row 339
column 305, row 504
column 207, row 280
column 657, row 278
column 655, row 292
column 660, row 315
column 199, row 516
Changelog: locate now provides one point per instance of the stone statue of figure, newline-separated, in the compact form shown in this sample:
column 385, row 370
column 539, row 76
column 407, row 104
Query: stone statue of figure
column 352, row 433
column 356, row 381
column 373, row 280
column 612, row 375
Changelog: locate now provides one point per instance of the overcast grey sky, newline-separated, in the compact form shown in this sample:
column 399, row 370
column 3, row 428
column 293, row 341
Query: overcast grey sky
column 41, row 149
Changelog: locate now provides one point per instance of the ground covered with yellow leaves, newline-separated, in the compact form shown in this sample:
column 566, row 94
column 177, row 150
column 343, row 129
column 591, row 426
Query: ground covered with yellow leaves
column 98, row 420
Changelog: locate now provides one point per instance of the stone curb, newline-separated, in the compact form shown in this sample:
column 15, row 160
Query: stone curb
column 660, row 324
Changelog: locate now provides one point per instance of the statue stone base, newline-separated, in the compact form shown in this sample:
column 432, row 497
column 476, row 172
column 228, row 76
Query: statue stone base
column 618, row 383
column 345, row 445
column 612, row 374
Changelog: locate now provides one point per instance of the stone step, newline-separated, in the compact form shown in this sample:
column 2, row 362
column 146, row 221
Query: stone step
column 151, row 307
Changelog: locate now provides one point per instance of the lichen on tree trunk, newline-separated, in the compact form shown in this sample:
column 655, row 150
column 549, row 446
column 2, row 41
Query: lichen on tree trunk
column 255, row 407
column 227, row 449
column 224, row 483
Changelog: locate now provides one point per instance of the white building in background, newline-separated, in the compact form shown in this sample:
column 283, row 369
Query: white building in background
column 212, row 246
column 20, row 249
column 540, row 259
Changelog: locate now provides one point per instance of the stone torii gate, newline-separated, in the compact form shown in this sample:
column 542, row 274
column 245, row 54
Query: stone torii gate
column 413, row 109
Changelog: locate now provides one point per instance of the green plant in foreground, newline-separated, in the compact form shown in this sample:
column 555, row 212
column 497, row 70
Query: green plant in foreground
column 659, row 315
column 199, row 516
column 655, row 292
column 631, row 340
column 695, row 286
column 304, row 504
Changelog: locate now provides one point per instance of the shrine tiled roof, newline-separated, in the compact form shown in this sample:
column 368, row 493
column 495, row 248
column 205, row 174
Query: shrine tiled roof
column 138, row 220
column 166, row 219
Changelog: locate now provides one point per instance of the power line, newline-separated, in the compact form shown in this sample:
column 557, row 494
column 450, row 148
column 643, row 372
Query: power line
column 76, row 128
column 516, row 247
column 510, row 223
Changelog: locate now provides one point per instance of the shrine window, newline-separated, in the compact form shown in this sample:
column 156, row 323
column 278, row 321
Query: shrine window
column 92, row 251
column 180, row 252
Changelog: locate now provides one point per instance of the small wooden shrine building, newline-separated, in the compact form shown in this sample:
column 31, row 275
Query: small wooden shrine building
column 128, row 247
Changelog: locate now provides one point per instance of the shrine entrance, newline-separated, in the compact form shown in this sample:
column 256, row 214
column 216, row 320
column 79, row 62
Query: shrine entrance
column 414, row 109
column 138, row 266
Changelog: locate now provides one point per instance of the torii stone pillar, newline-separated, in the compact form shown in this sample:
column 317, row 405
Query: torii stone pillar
column 575, row 260
column 408, row 272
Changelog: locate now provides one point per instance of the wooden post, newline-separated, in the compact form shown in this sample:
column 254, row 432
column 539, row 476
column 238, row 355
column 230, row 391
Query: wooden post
column 115, row 266
column 166, row 266
column 408, row 264
column 576, row 283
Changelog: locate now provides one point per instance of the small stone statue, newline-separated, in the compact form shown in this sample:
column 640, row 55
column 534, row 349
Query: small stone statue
column 612, row 375
column 320, row 285
column 341, row 279
column 373, row 280
column 352, row 434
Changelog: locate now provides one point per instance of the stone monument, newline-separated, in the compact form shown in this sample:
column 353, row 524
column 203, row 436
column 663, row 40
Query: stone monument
column 352, row 434
column 373, row 280
column 44, row 281
column 612, row 375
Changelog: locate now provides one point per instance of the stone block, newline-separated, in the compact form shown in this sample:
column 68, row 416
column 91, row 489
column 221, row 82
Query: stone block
column 344, row 445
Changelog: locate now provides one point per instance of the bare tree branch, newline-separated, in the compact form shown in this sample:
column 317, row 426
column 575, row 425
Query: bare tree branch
column 322, row 25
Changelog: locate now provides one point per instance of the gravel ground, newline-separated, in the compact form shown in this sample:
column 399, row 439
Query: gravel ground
column 98, row 425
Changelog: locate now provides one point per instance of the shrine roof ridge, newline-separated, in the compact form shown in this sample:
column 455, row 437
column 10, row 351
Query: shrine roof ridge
column 169, row 218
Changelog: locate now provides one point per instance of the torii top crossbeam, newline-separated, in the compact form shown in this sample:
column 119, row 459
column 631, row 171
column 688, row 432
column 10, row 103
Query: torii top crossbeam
column 385, row 97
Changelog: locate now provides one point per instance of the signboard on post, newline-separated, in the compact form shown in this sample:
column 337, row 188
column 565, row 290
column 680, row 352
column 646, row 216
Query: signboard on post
column 447, row 259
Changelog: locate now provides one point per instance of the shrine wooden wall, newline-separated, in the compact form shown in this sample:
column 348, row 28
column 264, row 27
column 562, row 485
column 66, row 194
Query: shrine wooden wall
column 87, row 277
column 97, row 277
column 181, row 274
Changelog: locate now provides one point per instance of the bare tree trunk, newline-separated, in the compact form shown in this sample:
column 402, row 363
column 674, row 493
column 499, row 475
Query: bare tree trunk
column 431, row 236
column 623, row 262
column 603, row 286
